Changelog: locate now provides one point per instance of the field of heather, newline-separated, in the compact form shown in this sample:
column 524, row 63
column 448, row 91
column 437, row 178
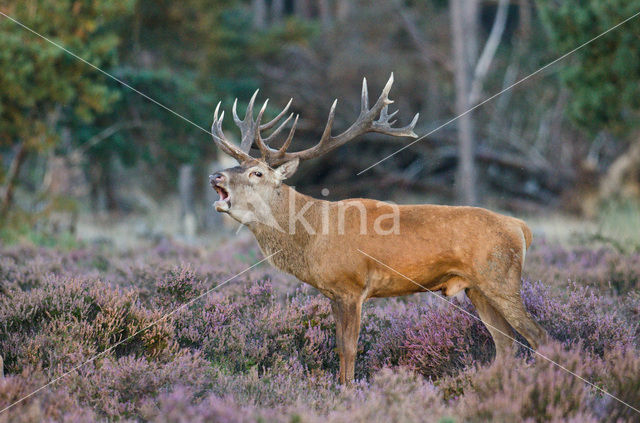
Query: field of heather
column 262, row 346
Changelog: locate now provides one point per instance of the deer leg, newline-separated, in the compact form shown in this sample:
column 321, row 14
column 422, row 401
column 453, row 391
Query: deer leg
column 337, row 317
column 522, row 322
column 495, row 323
column 508, row 302
column 347, row 331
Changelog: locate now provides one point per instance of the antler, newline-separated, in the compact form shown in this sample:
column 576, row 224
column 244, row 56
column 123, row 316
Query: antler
column 221, row 140
column 251, row 129
column 366, row 122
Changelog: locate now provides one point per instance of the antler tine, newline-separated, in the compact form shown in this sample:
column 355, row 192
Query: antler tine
column 385, row 116
column 412, row 125
column 215, row 113
column 384, row 125
column 236, row 119
column 249, row 112
column 270, row 155
column 374, row 119
column 216, row 128
column 326, row 134
column 287, row 142
column 251, row 130
column 278, row 130
column 275, row 120
column 383, row 100
column 221, row 140
column 385, row 113
column 264, row 149
column 247, row 125
column 364, row 102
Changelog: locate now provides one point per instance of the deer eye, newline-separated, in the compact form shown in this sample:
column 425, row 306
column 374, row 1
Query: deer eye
column 257, row 173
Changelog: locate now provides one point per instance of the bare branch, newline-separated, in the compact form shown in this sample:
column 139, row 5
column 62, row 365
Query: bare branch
column 489, row 51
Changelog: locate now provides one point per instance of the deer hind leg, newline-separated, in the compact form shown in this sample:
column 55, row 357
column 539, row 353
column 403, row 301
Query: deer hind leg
column 508, row 301
column 347, row 314
column 522, row 322
column 496, row 324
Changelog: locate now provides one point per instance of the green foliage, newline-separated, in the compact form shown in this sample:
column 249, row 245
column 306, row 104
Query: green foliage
column 604, row 76
column 40, row 81
column 21, row 228
column 618, row 223
column 153, row 134
column 293, row 30
column 46, row 92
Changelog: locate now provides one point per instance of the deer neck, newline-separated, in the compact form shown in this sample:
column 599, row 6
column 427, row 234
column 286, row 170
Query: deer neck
column 292, row 217
column 290, row 227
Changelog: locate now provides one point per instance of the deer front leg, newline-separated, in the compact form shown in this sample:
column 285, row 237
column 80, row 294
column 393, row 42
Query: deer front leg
column 335, row 309
column 347, row 313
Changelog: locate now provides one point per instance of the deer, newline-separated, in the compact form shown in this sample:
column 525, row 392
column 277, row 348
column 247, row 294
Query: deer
column 357, row 249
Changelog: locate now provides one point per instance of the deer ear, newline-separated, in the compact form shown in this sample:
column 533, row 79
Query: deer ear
column 287, row 169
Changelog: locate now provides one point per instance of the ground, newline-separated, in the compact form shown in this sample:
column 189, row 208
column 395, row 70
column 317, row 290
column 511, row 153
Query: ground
column 262, row 346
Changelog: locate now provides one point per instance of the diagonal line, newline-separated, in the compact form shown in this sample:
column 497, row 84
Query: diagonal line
column 501, row 332
column 165, row 317
column 105, row 73
column 501, row 92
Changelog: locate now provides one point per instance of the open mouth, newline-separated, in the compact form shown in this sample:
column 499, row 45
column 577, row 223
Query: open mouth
column 224, row 202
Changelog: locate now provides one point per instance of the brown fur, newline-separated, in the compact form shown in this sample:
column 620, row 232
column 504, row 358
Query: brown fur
column 439, row 248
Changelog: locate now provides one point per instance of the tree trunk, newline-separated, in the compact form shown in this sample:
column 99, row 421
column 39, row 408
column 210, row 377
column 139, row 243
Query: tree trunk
column 343, row 9
column 12, row 177
column 111, row 201
column 185, row 188
column 324, row 8
column 489, row 51
column 302, row 9
column 470, row 15
column 277, row 11
column 259, row 9
column 464, row 38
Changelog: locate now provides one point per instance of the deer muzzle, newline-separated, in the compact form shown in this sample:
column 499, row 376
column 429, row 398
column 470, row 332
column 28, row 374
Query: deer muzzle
column 217, row 181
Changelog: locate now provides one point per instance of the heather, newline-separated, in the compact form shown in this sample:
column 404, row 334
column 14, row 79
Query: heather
column 262, row 347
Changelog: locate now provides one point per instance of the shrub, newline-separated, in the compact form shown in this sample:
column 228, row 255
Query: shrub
column 257, row 348
column 579, row 316
column 393, row 395
column 620, row 376
column 602, row 268
column 52, row 404
column 178, row 407
column 66, row 321
column 256, row 331
column 130, row 386
column 433, row 339
column 513, row 390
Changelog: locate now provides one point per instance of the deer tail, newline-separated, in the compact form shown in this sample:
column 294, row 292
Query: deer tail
column 528, row 237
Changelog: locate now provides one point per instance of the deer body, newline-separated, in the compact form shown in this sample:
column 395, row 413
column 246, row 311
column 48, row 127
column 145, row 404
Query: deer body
column 356, row 249
column 444, row 241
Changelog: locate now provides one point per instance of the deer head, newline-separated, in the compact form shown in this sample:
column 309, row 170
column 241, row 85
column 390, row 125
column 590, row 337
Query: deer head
column 246, row 191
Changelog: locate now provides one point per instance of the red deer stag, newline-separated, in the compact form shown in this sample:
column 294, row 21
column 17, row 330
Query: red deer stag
column 353, row 250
